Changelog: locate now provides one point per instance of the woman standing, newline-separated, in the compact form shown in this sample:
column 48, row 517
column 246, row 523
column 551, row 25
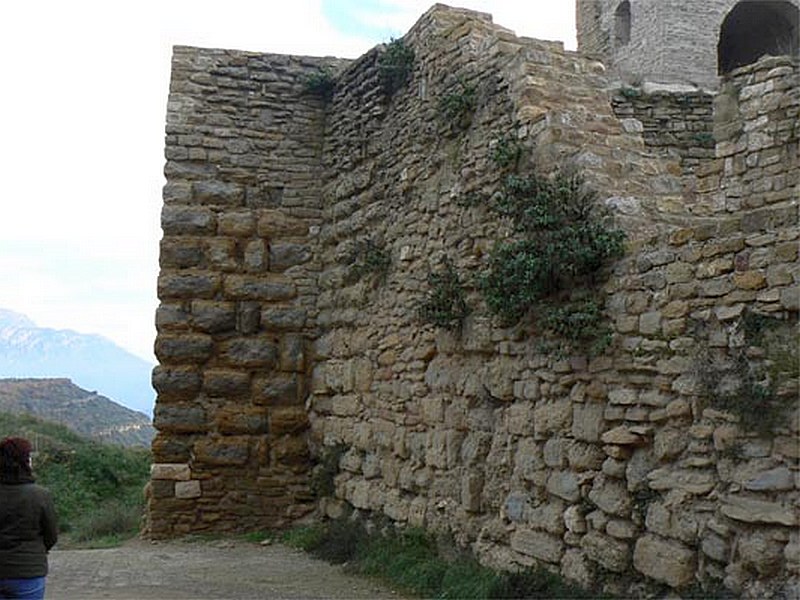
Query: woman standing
column 28, row 527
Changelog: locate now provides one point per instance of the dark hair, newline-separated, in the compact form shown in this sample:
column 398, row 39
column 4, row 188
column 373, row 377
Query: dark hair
column 15, row 463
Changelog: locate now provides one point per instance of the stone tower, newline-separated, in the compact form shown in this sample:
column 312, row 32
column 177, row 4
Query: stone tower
column 685, row 41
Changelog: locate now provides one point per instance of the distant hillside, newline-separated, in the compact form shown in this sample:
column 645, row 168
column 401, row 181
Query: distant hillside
column 87, row 413
column 91, row 361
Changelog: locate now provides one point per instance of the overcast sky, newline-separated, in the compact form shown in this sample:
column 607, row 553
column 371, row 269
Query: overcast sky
column 83, row 105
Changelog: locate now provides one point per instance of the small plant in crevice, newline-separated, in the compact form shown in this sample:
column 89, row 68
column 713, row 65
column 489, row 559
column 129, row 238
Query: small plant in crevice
column 457, row 107
column 505, row 152
column 755, row 380
column 321, row 84
column 445, row 305
column 704, row 139
column 367, row 257
column 630, row 92
column 394, row 66
column 324, row 472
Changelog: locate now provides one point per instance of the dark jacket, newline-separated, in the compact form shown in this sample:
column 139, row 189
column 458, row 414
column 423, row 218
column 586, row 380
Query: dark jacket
column 28, row 529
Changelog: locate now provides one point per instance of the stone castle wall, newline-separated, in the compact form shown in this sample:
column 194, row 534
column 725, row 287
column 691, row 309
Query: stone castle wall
column 237, row 290
column 671, row 40
column 588, row 465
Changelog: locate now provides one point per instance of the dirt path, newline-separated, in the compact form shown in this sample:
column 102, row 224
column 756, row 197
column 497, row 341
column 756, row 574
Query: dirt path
column 142, row 570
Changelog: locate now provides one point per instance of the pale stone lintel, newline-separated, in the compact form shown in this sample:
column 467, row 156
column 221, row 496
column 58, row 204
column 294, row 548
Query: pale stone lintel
column 188, row 489
column 171, row 471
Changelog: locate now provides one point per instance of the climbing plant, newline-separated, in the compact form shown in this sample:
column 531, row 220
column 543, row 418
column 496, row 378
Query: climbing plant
column 394, row 66
column 445, row 305
column 563, row 241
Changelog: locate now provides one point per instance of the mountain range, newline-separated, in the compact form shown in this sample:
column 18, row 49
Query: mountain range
column 91, row 361
column 87, row 413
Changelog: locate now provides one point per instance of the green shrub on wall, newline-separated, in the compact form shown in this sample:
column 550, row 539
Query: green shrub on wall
column 321, row 84
column 563, row 242
column 457, row 107
column 445, row 305
column 395, row 66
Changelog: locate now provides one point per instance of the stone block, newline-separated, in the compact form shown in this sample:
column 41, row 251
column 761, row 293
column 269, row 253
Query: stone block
column 250, row 352
column 611, row 496
column 251, row 420
column 292, row 354
column 277, row 390
column 292, row 452
column 181, row 252
column 187, row 286
column 241, row 223
column 283, row 318
column 187, row 220
column 188, row 489
column 171, row 471
column 471, row 491
column 585, row 457
column 213, row 316
column 564, row 484
column 272, row 288
column 217, row 193
column 538, row 544
column 256, row 257
column 752, row 510
column 690, row 481
column 180, row 418
column 288, row 420
column 283, row 255
column 666, row 561
column 277, row 224
column 587, row 422
column 552, row 417
column 222, row 450
column 176, row 383
column 226, row 383
column 611, row 553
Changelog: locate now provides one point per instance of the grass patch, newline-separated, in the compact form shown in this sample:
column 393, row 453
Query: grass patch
column 97, row 488
column 411, row 560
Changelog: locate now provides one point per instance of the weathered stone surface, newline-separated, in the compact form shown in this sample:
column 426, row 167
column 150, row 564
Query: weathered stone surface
column 187, row 285
column 176, row 382
column 187, row 220
column 613, row 554
column 249, row 352
column 171, row 471
column 213, row 316
column 611, row 496
column 778, row 479
column 664, row 560
column 188, row 489
column 538, row 544
column 179, row 418
column 691, row 481
column 587, row 422
column 623, row 436
column 751, row 510
column 564, row 484
column 226, row 383
column 269, row 289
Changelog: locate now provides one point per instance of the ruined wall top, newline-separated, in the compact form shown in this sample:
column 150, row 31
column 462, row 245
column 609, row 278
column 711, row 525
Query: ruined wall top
column 683, row 41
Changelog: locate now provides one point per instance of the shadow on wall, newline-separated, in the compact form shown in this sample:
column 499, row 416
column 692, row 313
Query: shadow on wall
column 753, row 29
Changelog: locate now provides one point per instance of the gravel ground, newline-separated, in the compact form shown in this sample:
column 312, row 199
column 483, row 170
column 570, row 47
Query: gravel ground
column 143, row 570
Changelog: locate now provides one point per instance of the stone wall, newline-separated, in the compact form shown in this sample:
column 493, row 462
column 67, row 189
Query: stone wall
column 237, row 288
column 671, row 40
column 613, row 468
column 673, row 124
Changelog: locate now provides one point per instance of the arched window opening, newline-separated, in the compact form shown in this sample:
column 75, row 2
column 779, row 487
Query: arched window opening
column 753, row 29
column 622, row 24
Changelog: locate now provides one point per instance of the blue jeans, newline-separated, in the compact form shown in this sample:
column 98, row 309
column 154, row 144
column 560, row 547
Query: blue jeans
column 31, row 588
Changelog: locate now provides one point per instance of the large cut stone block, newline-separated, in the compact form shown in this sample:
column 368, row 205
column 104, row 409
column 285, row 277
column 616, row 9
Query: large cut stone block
column 664, row 560
column 249, row 352
column 233, row 450
column 183, row 349
column 540, row 545
column 611, row 553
